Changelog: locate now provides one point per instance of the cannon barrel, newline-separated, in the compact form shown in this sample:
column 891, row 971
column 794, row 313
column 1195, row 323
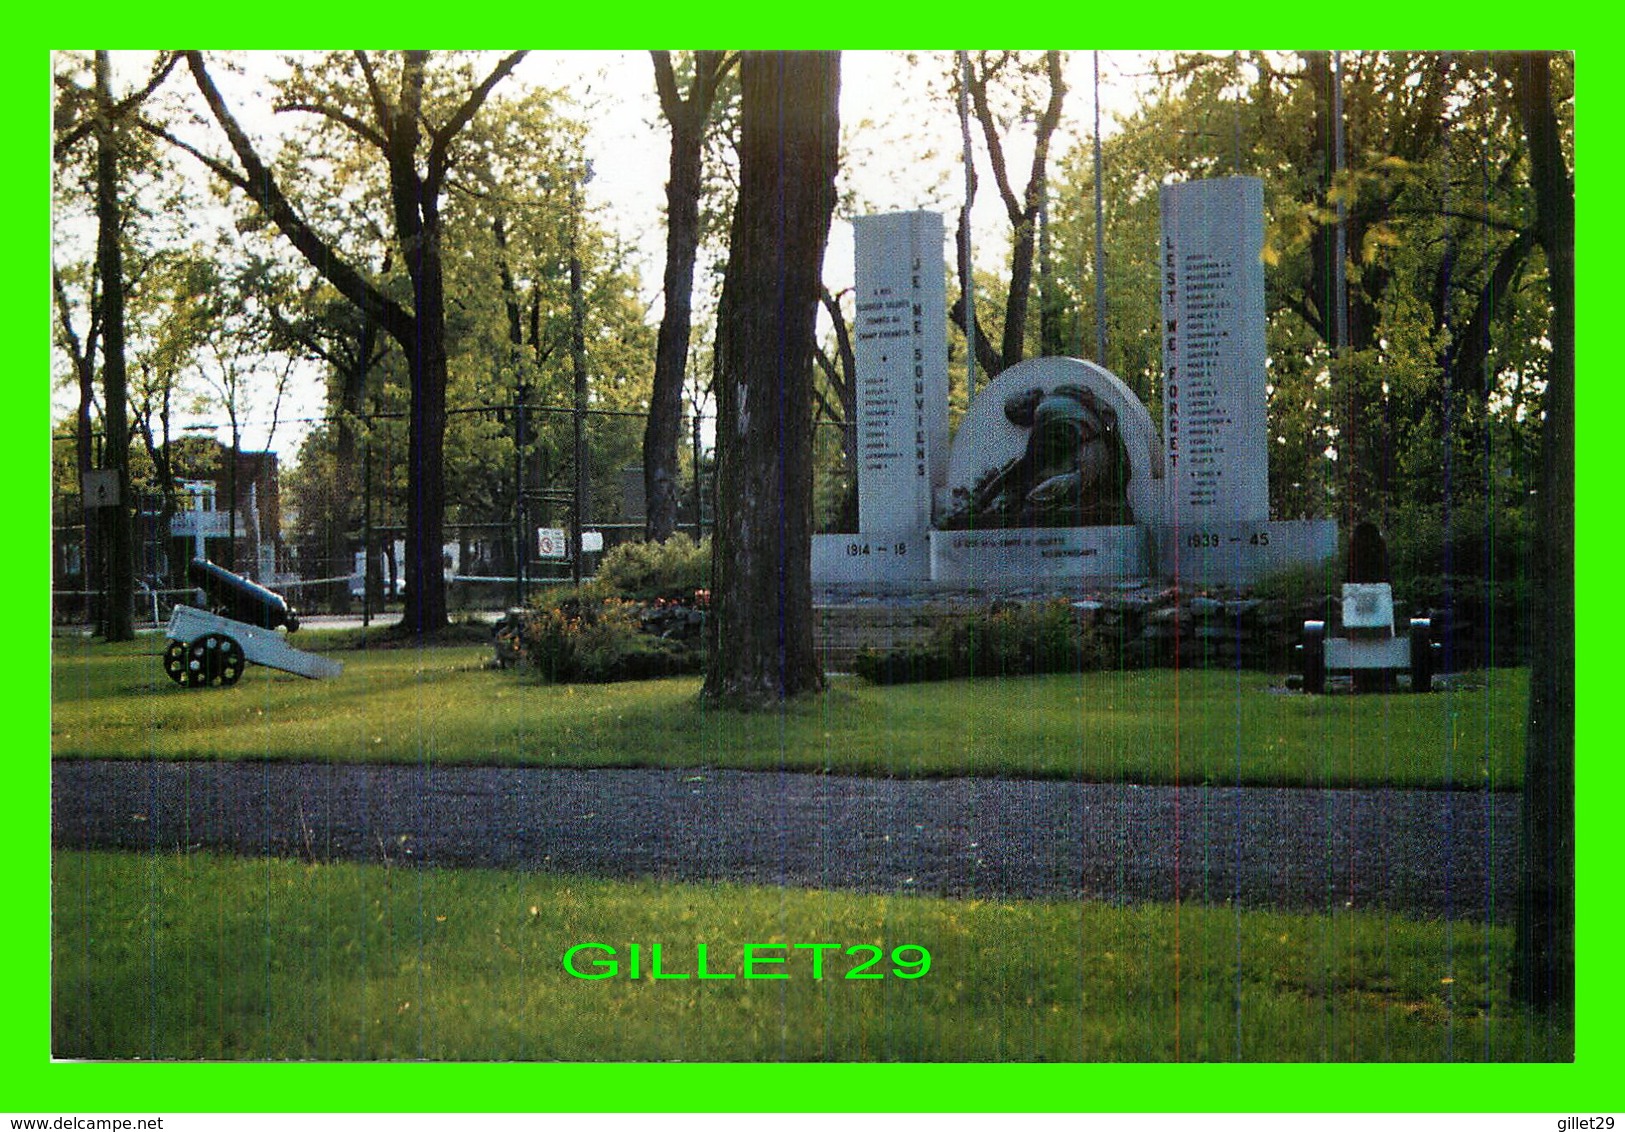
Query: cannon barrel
column 238, row 598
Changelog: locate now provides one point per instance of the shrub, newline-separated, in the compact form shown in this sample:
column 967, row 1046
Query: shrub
column 646, row 571
column 589, row 638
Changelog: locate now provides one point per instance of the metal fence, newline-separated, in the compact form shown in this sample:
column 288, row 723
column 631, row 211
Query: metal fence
column 339, row 546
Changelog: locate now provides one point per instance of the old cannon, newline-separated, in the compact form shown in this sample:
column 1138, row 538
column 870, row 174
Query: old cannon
column 234, row 596
column 1369, row 646
column 210, row 648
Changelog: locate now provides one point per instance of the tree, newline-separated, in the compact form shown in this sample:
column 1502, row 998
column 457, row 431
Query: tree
column 1443, row 365
column 688, row 117
column 404, row 127
column 230, row 365
column 316, row 322
column 525, row 255
column 1037, row 90
column 838, row 365
column 95, row 113
column 81, row 351
column 1545, row 931
column 761, row 625
column 180, row 298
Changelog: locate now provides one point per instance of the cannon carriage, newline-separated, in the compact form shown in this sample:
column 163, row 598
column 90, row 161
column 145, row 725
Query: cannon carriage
column 211, row 648
column 1371, row 649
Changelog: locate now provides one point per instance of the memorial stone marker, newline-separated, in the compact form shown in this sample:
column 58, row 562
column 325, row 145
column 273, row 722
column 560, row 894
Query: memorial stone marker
column 900, row 345
column 1213, row 391
column 1214, row 425
column 1058, row 471
column 900, row 340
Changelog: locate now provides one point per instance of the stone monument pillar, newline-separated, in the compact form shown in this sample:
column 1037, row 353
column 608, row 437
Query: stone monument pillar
column 900, row 344
column 900, row 339
column 1213, row 398
column 1216, row 526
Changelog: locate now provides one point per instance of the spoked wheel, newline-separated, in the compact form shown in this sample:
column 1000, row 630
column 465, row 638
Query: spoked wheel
column 214, row 660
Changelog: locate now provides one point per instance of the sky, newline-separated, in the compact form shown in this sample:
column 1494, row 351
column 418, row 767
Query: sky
column 903, row 150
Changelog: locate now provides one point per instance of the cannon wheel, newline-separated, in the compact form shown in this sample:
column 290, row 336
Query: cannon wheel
column 213, row 660
column 1314, row 657
column 1421, row 654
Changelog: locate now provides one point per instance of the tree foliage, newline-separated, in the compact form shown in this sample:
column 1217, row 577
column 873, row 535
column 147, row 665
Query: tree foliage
column 409, row 118
column 514, row 215
column 99, row 158
column 1442, row 366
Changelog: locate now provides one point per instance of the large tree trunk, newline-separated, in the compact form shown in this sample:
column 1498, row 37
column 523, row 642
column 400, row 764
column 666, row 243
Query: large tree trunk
column 417, row 225
column 761, row 625
column 118, row 535
column 84, row 367
column 425, row 605
column 1545, row 934
column 92, row 540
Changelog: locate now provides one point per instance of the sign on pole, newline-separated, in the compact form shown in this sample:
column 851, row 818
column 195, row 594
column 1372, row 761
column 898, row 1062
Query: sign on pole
column 100, row 487
column 552, row 543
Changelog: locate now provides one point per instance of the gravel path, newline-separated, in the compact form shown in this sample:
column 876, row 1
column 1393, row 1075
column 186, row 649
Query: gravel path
column 1428, row 852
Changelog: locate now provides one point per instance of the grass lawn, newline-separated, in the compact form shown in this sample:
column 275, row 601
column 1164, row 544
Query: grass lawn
column 188, row 957
column 444, row 704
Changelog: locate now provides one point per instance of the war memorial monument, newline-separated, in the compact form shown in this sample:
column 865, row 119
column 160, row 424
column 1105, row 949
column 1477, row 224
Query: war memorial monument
column 1057, row 474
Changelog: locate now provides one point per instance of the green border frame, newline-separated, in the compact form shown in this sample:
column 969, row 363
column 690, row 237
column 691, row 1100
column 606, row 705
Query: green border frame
column 35, row 1084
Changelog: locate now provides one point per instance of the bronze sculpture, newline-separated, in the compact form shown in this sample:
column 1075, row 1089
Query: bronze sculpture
column 1074, row 471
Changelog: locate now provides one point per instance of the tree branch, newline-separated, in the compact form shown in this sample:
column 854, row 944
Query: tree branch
column 995, row 147
column 219, row 168
column 1047, row 126
column 1465, row 359
column 1458, row 214
column 989, row 359
column 671, row 102
column 824, row 406
column 843, row 345
column 375, row 91
column 161, row 68
column 356, row 125
column 441, row 138
column 257, row 181
column 83, row 352
column 709, row 69
column 1298, row 306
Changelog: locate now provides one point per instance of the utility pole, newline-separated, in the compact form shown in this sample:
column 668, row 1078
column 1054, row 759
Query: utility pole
column 578, row 357
column 521, row 543
column 1100, row 235
column 699, row 519
column 366, row 533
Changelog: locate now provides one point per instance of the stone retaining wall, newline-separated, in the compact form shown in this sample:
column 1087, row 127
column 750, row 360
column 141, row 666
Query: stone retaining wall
column 1151, row 626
